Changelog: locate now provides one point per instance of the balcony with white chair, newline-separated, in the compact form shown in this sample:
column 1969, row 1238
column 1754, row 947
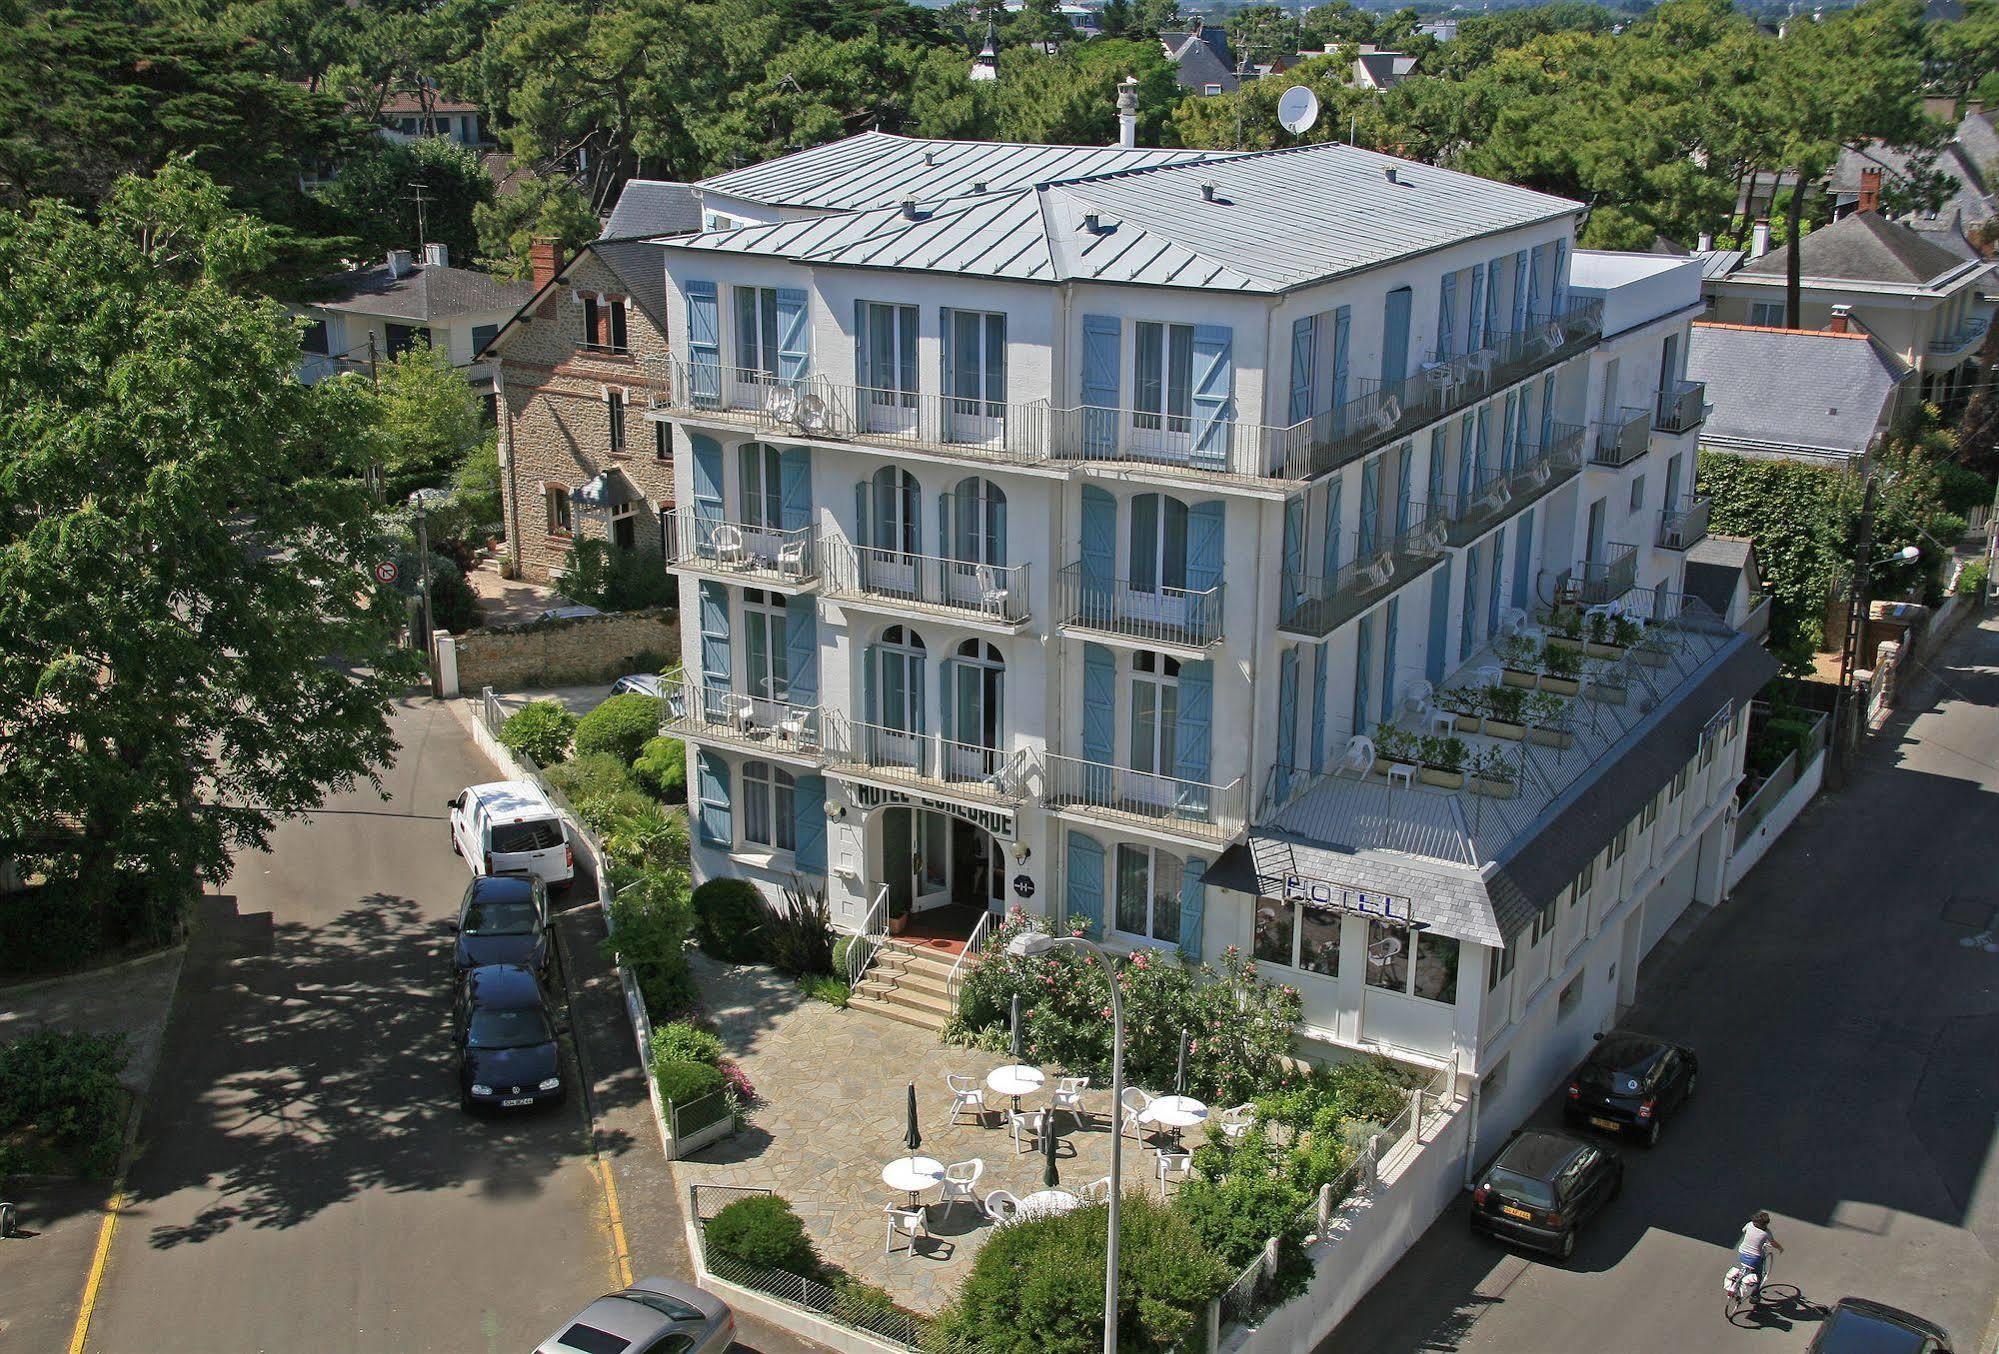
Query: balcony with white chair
column 897, row 582
column 783, row 560
column 775, row 729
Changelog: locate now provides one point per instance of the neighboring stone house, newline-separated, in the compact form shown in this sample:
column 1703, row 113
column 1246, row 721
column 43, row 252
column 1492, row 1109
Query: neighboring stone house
column 578, row 368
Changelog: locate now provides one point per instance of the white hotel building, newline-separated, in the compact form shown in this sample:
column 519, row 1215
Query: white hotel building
column 1052, row 520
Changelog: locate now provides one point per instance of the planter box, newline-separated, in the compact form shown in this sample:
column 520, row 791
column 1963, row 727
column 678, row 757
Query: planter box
column 1523, row 680
column 1551, row 738
column 1505, row 728
column 1447, row 780
column 1497, row 789
column 1467, row 723
column 1560, row 686
column 1596, row 650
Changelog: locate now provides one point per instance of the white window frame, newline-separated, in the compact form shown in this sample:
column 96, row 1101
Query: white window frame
column 756, row 344
column 1168, row 403
column 765, row 614
column 759, row 488
column 1151, row 856
column 774, row 794
column 1157, row 675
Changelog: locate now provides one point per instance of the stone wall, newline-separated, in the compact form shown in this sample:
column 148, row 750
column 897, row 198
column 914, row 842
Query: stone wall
column 564, row 653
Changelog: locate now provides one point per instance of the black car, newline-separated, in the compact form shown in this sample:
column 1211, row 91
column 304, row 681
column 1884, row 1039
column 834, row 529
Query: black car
column 505, row 1040
column 1631, row 1083
column 1857, row 1326
column 1542, row 1186
column 503, row 919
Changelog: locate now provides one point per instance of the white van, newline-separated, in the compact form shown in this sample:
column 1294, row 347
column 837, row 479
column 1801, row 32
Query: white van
column 509, row 827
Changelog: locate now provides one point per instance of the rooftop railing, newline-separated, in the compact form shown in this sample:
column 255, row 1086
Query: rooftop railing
column 1159, row 614
column 745, row 549
column 1215, row 812
column 1316, row 605
column 1681, row 407
column 995, row 592
column 1682, row 525
column 1964, row 336
column 1620, row 440
column 717, row 715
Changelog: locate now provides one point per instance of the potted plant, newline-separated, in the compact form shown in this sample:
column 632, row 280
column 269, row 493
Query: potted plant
column 1443, row 761
column 1561, row 669
column 1503, row 707
column 1543, row 712
column 898, row 908
column 1395, row 745
column 1521, row 657
column 1492, row 773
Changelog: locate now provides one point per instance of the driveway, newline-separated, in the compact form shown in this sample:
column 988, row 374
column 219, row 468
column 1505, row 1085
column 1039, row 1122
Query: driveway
column 1846, row 1040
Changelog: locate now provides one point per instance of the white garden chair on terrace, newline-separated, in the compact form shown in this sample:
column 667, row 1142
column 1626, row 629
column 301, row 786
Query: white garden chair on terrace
column 960, row 1181
column 966, row 1094
column 1069, row 1096
column 1002, row 1207
column 1357, row 762
column 1030, row 1124
column 909, row 1222
column 1136, row 1102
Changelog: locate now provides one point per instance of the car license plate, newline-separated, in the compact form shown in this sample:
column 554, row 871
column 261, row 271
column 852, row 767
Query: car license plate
column 523, row 1100
column 1519, row 1213
column 1605, row 1123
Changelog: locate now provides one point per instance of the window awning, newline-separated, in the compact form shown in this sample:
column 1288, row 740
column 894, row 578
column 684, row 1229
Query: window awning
column 609, row 490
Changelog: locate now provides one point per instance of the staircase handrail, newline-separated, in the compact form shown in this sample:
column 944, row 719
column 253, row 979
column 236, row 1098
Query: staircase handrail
column 868, row 941
column 974, row 944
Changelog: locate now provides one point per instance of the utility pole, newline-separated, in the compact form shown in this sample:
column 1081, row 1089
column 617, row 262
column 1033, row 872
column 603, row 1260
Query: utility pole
column 1856, row 620
column 417, row 196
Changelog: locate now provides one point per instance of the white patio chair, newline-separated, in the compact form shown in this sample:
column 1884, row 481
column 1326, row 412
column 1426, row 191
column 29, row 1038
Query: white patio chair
column 1069, row 1096
column 960, row 1181
column 1136, row 1102
column 739, row 712
column 728, row 543
column 966, row 1094
column 1002, row 1207
column 1377, row 571
column 1416, row 698
column 1490, row 675
column 1030, row 1124
column 908, row 1222
column 993, row 592
column 1236, row 1121
column 791, row 559
column 1174, row 1166
column 1357, row 762
column 1096, row 1192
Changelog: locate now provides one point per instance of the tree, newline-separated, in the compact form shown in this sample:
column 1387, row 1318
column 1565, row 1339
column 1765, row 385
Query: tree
column 184, row 550
column 376, row 194
column 1335, row 25
column 1261, row 32
column 1071, row 99
column 426, row 421
column 509, row 225
column 1964, row 56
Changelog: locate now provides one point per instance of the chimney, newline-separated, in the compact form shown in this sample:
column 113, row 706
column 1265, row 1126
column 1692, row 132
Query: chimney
column 436, row 256
column 1388, row 172
column 1127, row 111
column 399, row 263
column 909, row 212
column 1841, row 319
column 545, row 257
column 1870, row 189
column 1704, row 243
column 1207, row 192
column 1759, row 238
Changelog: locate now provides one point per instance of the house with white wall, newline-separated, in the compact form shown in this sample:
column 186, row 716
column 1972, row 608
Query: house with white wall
column 1090, row 546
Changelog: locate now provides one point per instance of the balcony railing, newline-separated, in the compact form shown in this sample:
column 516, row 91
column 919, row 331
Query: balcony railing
column 714, row 715
column 1964, row 336
column 1600, row 581
column 995, row 592
column 1681, row 407
column 1217, row 812
column 1681, row 526
column 1212, row 446
column 1621, row 440
column 928, row 759
column 1316, row 605
column 741, row 548
column 1161, row 615
column 1500, row 493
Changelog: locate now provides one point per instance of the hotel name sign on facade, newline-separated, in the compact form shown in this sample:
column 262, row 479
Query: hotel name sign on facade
column 1319, row 893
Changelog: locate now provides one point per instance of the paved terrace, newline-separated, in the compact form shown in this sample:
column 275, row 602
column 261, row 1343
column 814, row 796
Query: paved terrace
column 831, row 1112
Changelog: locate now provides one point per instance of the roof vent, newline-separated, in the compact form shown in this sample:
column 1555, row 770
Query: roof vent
column 1389, row 172
column 978, row 185
column 929, row 158
column 909, row 211
column 1207, row 192
column 1095, row 224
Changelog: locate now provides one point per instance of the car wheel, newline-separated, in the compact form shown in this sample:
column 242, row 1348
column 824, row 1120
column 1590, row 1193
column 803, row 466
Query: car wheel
column 1652, row 1133
column 1566, row 1247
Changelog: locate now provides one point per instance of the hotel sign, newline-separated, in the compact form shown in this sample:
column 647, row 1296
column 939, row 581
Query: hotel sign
column 1365, row 902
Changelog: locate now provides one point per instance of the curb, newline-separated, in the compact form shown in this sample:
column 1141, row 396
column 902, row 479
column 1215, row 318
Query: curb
column 102, row 970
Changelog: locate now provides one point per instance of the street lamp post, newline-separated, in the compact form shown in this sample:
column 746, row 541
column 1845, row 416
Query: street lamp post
column 419, row 500
column 1026, row 945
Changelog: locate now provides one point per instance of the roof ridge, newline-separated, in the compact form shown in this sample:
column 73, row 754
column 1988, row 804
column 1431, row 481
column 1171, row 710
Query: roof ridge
column 1780, row 329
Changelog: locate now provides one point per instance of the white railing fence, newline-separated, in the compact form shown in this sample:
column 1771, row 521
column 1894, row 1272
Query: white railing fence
column 867, row 942
column 961, row 967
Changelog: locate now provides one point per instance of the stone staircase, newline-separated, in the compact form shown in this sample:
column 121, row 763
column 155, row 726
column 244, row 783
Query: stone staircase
column 906, row 982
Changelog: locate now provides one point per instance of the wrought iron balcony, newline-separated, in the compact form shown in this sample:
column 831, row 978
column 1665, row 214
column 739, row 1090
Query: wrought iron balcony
column 1316, row 605
column 928, row 761
column 1210, row 812
column 1621, row 440
column 994, row 592
column 1599, row 581
column 1499, row 493
column 1159, row 615
column 1683, row 525
column 741, row 550
column 1681, row 407
column 710, row 714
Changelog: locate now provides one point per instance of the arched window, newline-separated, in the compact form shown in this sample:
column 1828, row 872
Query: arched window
column 769, row 818
column 894, row 517
column 1158, row 543
column 975, row 522
column 895, row 680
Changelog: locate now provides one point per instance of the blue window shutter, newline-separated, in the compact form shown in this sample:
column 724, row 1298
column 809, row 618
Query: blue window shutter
column 1287, row 721
column 1206, row 522
column 808, row 800
column 1395, row 337
column 1197, row 714
column 1322, row 660
column 801, row 649
column 1506, row 430
column 1466, row 447
column 1548, row 410
column 1524, row 405
column 794, row 477
column 1523, row 552
column 1534, row 283
column 1100, row 385
column 1304, row 361
column 1440, row 611
column 1214, row 392
column 1492, row 276
column 1560, row 274
column 1447, row 314
column 1497, row 549
column 870, row 664
column 715, row 825
column 1392, row 624
column 707, row 482
column 1468, row 614
column 1342, row 356
column 1086, row 884
column 1099, row 704
column 1363, row 676
column 1193, row 907
column 1520, row 291
column 1440, row 455
column 1484, row 440
column 1329, row 548
column 704, row 344
column 1294, row 550
column 794, row 335
column 714, row 635
column 1370, row 497
column 1099, row 552
column 1475, row 312
column 1405, row 467
column 863, row 369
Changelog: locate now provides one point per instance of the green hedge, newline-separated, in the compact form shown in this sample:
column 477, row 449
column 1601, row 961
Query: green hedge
column 684, row 1041
column 540, row 730
column 762, row 1231
column 61, row 1107
column 620, row 726
column 684, row 1082
column 661, row 768
column 728, row 918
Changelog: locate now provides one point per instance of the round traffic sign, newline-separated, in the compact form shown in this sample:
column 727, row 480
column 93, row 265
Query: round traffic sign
column 385, row 572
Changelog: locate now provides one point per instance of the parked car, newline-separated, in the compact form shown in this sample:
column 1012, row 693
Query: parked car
column 505, row 1040
column 509, row 827
column 503, row 919
column 1542, row 1187
column 653, row 1316
column 1631, row 1083
column 1858, row 1326
column 640, row 684
column 568, row 612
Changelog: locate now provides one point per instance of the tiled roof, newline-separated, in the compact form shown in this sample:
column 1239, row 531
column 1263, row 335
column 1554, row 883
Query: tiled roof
column 1806, row 388
column 1715, row 564
column 1863, row 247
column 424, row 293
column 648, row 208
column 876, row 169
column 1259, row 223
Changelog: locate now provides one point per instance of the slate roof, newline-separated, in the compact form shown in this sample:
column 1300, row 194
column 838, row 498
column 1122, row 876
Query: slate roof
column 1715, row 564
column 876, row 169
column 1201, row 59
column 1863, row 247
column 641, row 266
column 1718, row 262
column 647, row 208
column 1276, row 220
column 1803, row 388
column 425, row 293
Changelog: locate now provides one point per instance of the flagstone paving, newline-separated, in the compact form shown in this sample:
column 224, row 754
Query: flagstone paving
column 832, row 1110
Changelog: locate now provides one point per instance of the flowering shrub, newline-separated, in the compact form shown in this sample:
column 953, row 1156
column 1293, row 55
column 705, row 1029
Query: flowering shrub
column 737, row 1082
column 1239, row 1026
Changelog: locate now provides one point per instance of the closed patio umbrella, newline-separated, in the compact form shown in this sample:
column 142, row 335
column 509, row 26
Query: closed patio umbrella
column 1050, row 1177
column 1180, row 1072
column 912, row 1139
column 1016, row 1027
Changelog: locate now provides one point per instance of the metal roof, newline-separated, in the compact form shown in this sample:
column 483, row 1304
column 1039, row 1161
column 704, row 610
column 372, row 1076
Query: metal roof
column 1260, row 223
column 876, row 169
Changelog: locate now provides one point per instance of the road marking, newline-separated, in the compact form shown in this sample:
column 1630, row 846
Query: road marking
column 620, row 1248
column 105, row 1231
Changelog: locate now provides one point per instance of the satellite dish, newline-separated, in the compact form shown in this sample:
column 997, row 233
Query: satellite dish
column 1298, row 109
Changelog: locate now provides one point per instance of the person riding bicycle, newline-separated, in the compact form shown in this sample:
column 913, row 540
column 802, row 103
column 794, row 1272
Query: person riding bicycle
column 1753, row 1250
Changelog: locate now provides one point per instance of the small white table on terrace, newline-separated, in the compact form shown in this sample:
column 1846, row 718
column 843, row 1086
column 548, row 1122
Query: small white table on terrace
column 1176, row 1112
column 913, row 1175
column 1016, row 1080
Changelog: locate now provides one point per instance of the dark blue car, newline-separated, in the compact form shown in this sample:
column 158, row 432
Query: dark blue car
column 503, row 919
column 505, row 1040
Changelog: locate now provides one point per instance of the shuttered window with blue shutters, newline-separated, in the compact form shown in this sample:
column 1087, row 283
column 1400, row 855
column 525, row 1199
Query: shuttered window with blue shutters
column 1084, row 869
column 1548, row 410
column 1100, row 385
column 1434, row 656
column 794, row 475
column 1447, row 315
column 1363, row 676
column 1494, row 276
column 1395, row 336
column 1475, row 312
column 1405, row 474
column 712, row 800
column 1193, row 907
column 1294, row 551
column 714, row 635
column 1557, row 276
column 1370, row 509
column 1322, row 661
column 1099, row 548
column 1484, row 423
column 707, row 457
column 1467, row 459
column 1342, row 359
column 1523, row 556
column 1206, row 525
column 1194, row 731
column 801, row 650
column 1390, row 683
column 1287, row 721
column 1497, row 548
column 1534, row 310
column 1304, row 367
column 1214, row 392
column 1099, row 704
column 1507, row 422
column 808, row 851
column 1520, row 291
column 1439, row 469
column 704, row 344
column 1468, row 615
column 794, row 336
column 1523, row 435
column 1329, row 544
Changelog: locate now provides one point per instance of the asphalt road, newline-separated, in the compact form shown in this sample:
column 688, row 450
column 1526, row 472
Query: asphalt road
column 1847, row 1056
